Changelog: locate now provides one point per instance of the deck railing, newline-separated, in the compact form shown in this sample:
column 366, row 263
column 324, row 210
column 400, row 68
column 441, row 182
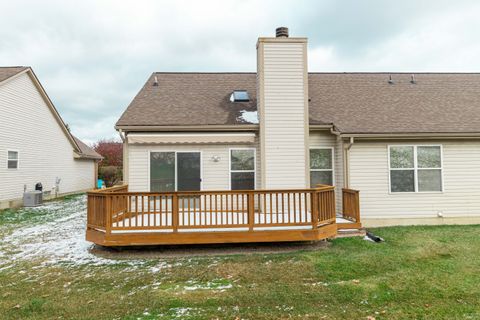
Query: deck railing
column 116, row 209
column 351, row 204
column 99, row 204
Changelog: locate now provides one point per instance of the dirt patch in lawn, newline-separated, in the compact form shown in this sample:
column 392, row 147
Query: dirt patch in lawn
column 152, row 252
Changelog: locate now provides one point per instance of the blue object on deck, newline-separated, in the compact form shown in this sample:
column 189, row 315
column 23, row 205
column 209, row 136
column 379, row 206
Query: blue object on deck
column 99, row 183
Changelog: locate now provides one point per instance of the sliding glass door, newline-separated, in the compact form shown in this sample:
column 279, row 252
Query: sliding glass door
column 162, row 171
column 188, row 171
column 175, row 171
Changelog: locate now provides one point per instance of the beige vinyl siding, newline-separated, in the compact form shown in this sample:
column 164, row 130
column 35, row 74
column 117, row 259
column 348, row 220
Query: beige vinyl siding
column 283, row 110
column 215, row 175
column 461, row 173
column 28, row 126
column 325, row 139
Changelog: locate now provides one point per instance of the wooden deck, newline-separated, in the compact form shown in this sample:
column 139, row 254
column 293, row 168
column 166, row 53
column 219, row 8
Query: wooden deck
column 116, row 217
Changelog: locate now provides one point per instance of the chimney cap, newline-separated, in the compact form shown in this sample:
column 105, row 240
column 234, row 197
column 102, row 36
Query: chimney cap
column 281, row 32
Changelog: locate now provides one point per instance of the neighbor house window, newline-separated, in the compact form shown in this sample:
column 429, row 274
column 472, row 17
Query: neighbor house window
column 12, row 160
column 242, row 169
column 415, row 168
column 321, row 166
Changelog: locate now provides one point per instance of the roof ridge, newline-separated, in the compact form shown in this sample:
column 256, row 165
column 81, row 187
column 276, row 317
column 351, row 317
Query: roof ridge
column 324, row 72
column 392, row 72
column 204, row 72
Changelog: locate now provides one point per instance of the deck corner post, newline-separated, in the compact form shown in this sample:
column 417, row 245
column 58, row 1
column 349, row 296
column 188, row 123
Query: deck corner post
column 357, row 206
column 314, row 195
column 251, row 211
column 175, row 212
column 334, row 205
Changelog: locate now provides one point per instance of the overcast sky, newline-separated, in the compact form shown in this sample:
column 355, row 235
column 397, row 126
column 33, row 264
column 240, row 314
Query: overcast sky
column 93, row 56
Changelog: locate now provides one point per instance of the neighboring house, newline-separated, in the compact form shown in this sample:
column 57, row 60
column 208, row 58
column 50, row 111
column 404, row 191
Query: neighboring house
column 409, row 142
column 35, row 144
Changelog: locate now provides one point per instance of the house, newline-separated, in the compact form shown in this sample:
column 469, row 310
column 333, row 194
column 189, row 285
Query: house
column 409, row 142
column 35, row 144
column 283, row 154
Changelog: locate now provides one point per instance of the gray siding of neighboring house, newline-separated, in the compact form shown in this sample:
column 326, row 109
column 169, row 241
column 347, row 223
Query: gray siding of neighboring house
column 28, row 126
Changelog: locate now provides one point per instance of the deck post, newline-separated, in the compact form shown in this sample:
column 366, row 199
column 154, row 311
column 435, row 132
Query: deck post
column 108, row 212
column 314, row 195
column 357, row 206
column 175, row 212
column 251, row 211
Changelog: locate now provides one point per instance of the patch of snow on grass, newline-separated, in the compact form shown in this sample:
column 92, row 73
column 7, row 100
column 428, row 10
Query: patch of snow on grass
column 210, row 285
column 184, row 312
column 248, row 116
column 61, row 240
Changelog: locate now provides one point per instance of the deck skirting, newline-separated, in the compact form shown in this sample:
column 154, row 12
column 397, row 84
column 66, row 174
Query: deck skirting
column 172, row 238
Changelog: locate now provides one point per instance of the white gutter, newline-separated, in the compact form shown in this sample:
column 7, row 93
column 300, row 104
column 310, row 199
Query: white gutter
column 121, row 134
column 442, row 135
column 242, row 127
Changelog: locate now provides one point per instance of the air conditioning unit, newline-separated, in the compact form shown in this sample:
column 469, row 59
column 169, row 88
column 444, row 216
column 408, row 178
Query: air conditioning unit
column 32, row 198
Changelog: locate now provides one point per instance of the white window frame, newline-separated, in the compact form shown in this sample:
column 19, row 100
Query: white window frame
column 230, row 171
column 415, row 168
column 333, row 162
column 18, row 159
column 176, row 178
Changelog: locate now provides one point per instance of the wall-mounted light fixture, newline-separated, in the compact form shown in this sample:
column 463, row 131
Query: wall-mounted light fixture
column 215, row 158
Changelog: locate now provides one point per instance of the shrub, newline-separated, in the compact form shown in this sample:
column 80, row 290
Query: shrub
column 110, row 174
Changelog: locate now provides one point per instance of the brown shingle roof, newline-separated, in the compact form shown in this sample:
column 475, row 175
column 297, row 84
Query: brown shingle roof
column 86, row 151
column 190, row 99
column 353, row 102
column 7, row 72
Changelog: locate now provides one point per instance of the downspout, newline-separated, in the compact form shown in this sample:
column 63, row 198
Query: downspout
column 122, row 136
column 346, row 162
column 125, row 156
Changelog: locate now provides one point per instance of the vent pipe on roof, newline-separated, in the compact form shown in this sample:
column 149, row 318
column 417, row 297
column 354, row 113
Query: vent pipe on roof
column 413, row 81
column 155, row 81
column 281, row 32
column 390, row 80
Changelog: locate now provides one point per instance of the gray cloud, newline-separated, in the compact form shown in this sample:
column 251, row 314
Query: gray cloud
column 94, row 56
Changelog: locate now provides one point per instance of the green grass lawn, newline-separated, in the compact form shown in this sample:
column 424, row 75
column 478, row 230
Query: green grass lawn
column 46, row 272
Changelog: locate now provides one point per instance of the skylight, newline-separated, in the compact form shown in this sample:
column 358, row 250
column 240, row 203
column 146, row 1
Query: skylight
column 239, row 96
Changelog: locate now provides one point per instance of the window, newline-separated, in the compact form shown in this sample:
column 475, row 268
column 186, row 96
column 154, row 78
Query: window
column 12, row 160
column 242, row 169
column 415, row 168
column 239, row 96
column 321, row 166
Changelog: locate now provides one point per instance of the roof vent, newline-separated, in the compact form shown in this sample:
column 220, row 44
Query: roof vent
column 390, row 80
column 281, row 32
column 239, row 96
column 155, row 82
column 412, row 80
